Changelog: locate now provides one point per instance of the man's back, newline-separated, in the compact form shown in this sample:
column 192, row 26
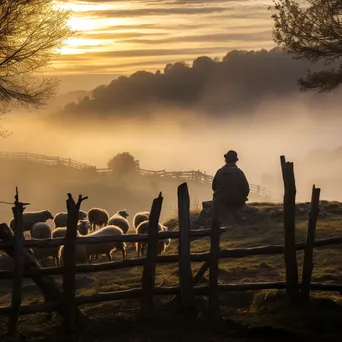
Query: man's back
column 231, row 184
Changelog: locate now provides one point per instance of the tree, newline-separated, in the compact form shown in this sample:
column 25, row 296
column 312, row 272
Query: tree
column 313, row 33
column 124, row 163
column 31, row 32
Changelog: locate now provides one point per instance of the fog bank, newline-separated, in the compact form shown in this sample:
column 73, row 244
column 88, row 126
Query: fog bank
column 182, row 141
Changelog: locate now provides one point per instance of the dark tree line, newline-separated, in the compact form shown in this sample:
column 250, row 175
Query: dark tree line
column 237, row 83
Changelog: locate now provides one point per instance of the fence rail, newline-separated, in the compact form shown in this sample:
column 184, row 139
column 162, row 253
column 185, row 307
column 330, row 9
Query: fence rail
column 257, row 191
column 65, row 301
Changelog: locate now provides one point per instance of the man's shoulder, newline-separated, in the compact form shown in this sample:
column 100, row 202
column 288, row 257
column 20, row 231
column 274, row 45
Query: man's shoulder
column 231, row 169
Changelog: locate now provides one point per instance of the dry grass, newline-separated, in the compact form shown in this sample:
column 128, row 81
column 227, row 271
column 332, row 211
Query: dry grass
column 251, row 308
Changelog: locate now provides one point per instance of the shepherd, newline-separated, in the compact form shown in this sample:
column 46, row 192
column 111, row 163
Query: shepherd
column 230, row 184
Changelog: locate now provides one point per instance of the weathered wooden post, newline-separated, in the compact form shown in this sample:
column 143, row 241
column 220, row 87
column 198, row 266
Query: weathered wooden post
column 50, row 290
column 289, row 212
column 149, row 271
column 18, row 256
column 310, row 240
column 69, row 277
column 214, row 260
column 184, row 264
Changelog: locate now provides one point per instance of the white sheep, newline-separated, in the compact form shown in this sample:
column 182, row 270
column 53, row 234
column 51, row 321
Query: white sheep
column 61, row 219
column 140, row 217
column 30, row 218
column 41, row 230
column 93, row 251
column 97, row 217
column 143, row 229
column 40, row 253
column 120, row 220
column 164, row 242
column 81, row 254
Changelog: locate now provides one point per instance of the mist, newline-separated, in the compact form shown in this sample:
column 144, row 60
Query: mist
column 184, row 140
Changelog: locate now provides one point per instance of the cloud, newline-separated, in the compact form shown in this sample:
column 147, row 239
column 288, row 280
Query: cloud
column 152, row 29
column 93, row 56
column 139, row 12
column 214, row 37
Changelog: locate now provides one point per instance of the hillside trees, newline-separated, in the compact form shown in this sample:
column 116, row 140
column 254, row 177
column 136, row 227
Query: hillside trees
column 314, row 33
column 31, row 32
column 124, row 164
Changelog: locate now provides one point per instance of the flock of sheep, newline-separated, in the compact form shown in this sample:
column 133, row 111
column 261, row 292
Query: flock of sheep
column 95, row 223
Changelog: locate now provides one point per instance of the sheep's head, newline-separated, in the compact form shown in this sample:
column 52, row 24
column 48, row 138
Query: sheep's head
column 83, row 227
column 82, row 215
column 48, row 215
column 123, row 213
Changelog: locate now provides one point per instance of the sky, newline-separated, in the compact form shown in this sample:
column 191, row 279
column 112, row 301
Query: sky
column 120, row 37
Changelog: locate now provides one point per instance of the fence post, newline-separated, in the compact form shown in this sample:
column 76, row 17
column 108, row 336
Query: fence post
column 148, row 276
column 214, row 260
column 289, row 212
column 18, row 257
column 309, row 243
column 69, row 262
column 184, row 264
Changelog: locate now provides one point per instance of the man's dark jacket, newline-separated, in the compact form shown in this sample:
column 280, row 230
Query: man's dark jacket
column 230, row 185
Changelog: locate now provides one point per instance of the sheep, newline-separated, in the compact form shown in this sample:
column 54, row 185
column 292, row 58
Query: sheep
column 61, row 219
column 143, row 229
column 83, row 227
column 165, row 242
column 81, row 254
column 140, row 217
column 105, row 248
column 30, row 218
column 41, row 230
column 92, row 251
column 6, row 262
column 40, row 253
column 119, row 220
column 97, row 217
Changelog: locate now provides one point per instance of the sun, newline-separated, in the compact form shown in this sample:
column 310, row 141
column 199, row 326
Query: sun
column 81, row 22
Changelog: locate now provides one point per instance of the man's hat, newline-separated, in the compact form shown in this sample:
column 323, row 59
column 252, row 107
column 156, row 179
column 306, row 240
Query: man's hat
column 231, row 156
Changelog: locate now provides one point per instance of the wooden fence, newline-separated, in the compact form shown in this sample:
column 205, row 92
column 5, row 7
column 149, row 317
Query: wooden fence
column 47, row 160
column 256, row 191
column 66, row 303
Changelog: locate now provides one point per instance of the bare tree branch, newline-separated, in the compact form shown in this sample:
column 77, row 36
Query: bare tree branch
column 313, row 32
column 31, row 32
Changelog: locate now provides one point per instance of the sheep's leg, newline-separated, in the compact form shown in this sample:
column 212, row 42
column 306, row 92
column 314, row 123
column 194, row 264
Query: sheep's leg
column 123, row 251
column 139, row 249
column 109, row 257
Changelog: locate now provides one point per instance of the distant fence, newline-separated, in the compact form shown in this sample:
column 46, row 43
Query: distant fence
column 64, row 299
column 47, row 160
column 257, row 191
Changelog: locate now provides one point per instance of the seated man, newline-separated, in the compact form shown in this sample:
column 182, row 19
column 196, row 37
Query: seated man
column 230, row 185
